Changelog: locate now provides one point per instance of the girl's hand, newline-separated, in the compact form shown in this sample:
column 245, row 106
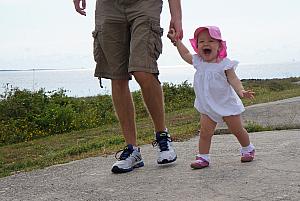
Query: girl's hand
column 247, row 94
column 172, row 36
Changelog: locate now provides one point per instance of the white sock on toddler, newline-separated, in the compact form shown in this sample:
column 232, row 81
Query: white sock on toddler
column 247, row 149
column 204, row 156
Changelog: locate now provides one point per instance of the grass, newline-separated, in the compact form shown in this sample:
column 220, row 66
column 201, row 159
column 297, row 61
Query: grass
column 104, row 140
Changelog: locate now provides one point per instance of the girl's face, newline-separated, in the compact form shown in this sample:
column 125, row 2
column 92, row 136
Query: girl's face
column 208, row 47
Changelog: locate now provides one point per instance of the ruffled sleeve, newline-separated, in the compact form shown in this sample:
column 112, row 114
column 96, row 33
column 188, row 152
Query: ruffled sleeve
column 196, row 61
column 229, row 64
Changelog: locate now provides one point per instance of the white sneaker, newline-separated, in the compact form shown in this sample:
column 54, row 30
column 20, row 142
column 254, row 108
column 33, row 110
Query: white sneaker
column 128, row 160
column 165, row 150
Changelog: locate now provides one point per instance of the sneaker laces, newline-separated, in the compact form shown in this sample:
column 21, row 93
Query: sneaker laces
column 125, row 153
column 162, row 141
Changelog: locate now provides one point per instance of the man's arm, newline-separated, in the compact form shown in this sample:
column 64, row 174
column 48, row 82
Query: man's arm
column 80, row 6
column 176, row 17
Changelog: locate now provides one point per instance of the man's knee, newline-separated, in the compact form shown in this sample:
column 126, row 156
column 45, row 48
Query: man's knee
column 117, row 84
column 144, row 78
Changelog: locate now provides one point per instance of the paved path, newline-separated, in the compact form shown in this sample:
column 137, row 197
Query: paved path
column 275, row 114
column 273, row 175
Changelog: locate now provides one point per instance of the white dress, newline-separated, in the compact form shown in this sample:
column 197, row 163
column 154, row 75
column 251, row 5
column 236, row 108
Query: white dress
column 214, row 95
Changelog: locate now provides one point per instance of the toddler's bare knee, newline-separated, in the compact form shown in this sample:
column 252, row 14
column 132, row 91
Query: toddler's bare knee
column 205, row 134
column 241, row 131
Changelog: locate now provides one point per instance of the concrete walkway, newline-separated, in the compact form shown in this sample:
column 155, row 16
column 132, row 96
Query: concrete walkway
column 273, row 175
column 282, row 113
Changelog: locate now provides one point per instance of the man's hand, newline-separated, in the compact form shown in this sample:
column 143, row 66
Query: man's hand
column 177, row 25
column 176, row 17
column 80, row 6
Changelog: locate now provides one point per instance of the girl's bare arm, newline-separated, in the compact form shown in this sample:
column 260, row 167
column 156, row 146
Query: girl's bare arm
column 235, row 82
column 184, row 52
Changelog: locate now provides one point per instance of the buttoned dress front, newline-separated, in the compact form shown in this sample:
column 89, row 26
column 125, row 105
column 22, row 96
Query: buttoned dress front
column 215, row 97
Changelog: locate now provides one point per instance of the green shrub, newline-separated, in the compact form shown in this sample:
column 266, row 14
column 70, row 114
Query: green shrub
column 27, row 115
column 178, row 96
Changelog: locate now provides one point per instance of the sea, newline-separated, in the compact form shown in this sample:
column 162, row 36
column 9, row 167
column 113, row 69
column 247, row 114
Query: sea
column 82, row 83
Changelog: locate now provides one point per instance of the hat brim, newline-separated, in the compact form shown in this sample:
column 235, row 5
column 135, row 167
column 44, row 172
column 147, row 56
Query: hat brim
column 215, row 33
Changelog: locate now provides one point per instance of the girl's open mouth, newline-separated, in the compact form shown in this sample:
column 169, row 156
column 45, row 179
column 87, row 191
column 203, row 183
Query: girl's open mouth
column 206, row 51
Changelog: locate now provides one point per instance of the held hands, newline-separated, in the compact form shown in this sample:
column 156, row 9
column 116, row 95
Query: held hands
column 172, row 36
column 247, row 94
column 80, row 6
column 176, row 25
column 182, row 50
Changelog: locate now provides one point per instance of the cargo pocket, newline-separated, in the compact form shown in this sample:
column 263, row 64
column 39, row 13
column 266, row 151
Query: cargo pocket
column 98, row 55
column 155, row 40
column 97, row 51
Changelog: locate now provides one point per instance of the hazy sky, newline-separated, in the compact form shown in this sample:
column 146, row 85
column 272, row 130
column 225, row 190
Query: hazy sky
column 50, row 34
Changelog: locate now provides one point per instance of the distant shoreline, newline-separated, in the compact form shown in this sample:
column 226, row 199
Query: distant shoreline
column 41, row 69
column 242, row 64
column 80, row 81
column 26, row 70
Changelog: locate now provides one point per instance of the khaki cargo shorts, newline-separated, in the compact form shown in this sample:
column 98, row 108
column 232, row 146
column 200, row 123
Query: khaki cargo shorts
column 127, row 37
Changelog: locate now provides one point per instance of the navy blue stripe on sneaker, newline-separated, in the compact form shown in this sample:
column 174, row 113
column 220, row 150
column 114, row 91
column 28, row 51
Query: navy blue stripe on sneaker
column 118, row 170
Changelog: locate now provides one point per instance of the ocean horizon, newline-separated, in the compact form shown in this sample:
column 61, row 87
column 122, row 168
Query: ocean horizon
column 82, row 83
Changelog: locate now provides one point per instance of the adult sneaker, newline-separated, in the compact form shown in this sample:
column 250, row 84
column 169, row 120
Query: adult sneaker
column 129, row 159
column 165, row 150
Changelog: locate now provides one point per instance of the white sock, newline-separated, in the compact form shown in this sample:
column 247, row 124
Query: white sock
column 165, row 130
column 247, row 149
column 135, row 148
column 204, row 156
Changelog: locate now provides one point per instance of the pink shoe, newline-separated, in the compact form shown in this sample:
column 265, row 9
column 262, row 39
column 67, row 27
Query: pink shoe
column 199, row 163
column 248, row 157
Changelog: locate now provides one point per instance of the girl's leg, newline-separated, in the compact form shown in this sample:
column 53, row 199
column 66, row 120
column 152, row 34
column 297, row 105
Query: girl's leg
column 235, row 126
column 206, row 132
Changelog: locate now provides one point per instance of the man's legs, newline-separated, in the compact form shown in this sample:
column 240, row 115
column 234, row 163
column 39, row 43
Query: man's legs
column 153, row 97
column 130, row 157
column 124, row 108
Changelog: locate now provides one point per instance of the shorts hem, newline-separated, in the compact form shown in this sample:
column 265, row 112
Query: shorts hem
column 113, row 77
column 146, row 70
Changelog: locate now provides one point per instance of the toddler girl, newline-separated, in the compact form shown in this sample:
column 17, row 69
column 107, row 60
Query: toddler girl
column 217, row 89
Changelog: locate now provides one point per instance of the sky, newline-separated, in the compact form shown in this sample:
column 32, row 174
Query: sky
column 50, row 34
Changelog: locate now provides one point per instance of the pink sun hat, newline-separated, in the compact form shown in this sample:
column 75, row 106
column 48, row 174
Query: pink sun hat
column 215, row 33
